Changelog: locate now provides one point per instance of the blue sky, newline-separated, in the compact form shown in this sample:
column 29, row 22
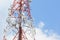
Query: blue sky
column 44, row 12
column 47, row 11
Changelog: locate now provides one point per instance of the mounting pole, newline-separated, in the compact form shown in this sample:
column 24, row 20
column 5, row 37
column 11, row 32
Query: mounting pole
column 20, row 28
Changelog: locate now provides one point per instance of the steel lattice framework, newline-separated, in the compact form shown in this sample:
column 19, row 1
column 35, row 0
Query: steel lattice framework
column 20, row 21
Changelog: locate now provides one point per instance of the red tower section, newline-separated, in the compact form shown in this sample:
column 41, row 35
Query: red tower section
column 21, row 6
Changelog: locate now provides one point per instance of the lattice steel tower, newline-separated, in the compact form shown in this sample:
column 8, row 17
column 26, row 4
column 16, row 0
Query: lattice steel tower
column 20, row 22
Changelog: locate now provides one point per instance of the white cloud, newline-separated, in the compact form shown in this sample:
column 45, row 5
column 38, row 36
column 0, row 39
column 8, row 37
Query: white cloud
column 41, row 24
column 41, row 36
column 46, row 30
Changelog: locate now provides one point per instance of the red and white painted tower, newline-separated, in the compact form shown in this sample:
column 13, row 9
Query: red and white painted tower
column 20, row 22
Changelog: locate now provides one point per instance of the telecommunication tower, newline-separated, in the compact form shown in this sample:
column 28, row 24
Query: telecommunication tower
column 19, row 22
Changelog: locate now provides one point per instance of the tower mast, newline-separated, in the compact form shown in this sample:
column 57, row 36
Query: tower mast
column 19, row 14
